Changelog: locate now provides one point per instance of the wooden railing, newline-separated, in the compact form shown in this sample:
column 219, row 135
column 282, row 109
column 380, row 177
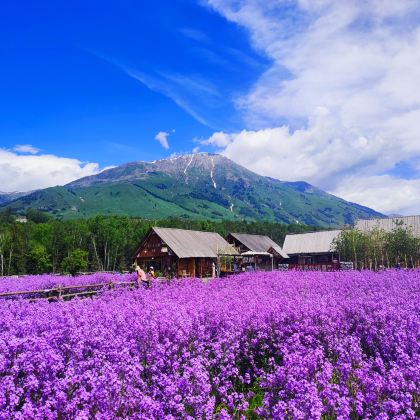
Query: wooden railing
column 67, row 292
column 315, row 267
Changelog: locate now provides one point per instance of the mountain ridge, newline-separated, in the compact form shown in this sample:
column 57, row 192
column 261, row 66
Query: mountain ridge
column 197, row 186
column 6, row 197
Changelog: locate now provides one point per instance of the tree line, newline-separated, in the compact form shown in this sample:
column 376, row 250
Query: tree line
column 379, row 249
column 102, row 243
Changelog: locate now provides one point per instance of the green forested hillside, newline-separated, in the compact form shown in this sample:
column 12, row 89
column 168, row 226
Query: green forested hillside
column 195, row 187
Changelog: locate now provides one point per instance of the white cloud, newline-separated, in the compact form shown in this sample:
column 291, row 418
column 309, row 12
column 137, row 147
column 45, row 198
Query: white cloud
column 398, row 196
column 26, row 148
column 29, row 172
column 339, row 106
column 162, row 138
column 219, row 139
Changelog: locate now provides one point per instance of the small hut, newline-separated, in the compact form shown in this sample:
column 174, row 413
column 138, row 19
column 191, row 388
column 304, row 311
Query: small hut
column 182, row 253
column 258, row 251
column 313, row 250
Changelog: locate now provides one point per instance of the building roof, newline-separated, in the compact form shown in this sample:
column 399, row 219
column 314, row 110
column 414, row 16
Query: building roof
column 411, row 222
column 258, row 243
column 193, row 243
column 310, row 243
column 277, row 250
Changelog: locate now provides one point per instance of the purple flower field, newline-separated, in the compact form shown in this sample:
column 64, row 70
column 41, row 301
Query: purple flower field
column 287, row 345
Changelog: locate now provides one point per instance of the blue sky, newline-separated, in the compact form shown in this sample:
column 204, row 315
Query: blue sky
column 319, row 91
column 67, row 76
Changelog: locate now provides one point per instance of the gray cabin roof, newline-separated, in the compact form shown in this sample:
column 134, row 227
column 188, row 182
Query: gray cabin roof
column 278, row 250
column 193, row 243
column 258, row 243
column 411, row 222
column 311, row 243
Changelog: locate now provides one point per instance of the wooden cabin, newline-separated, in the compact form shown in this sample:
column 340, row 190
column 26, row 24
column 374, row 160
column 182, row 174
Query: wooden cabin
column 313, row 250
column 182, row 253
column 258, row 251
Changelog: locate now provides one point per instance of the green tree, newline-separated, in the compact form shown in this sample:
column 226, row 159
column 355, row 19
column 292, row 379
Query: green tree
column 6, row 216
column 38, row 261
column 75, row 262
column 402, row 246
column 4, row 246
column 351, row 245
column 37, row 216
column 379, row 248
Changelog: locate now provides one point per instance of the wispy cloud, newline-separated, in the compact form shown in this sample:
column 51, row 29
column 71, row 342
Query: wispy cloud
column 192, row 84
column 212, row 57
column 182, row 90
column 218, row 54
column 162, row 138
column 195, row 35
column 26, row 149
column 244, row 58
column 163, row 86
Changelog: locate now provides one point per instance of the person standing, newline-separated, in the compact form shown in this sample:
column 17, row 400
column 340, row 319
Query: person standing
column 142, row 278
column 152, row 274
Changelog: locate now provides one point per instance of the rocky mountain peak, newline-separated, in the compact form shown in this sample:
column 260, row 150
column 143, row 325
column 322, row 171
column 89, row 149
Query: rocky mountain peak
column 183, row 167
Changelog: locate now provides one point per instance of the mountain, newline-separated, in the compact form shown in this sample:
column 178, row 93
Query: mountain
column 8, row 197
column 199, row 186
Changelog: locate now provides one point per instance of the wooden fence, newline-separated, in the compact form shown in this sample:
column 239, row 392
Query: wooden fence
column 68, row 292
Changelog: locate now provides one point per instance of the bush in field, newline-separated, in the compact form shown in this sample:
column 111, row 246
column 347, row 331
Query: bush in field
column 275, row 345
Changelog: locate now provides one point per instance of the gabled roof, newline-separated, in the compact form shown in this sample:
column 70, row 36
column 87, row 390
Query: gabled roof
column 411, row 222
column 277, row 250
column 310, row 243
column 193, row 243
column 258, row 243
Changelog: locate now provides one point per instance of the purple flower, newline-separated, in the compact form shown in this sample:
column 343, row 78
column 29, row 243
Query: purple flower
column 279, row 345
